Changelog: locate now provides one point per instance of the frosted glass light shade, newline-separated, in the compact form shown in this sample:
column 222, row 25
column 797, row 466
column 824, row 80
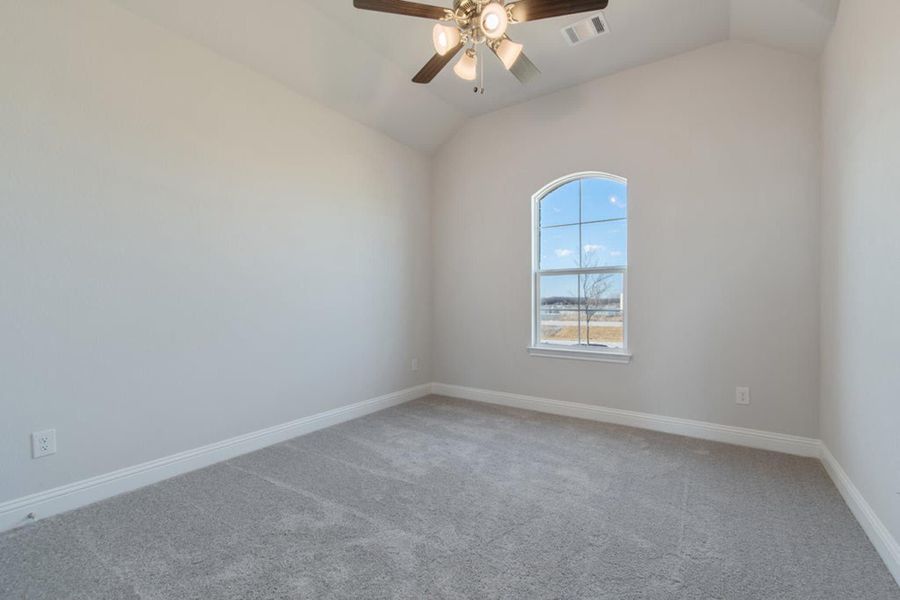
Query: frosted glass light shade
column 494, row 20
column 508, row 51
column 466, row 68
column 445, row 38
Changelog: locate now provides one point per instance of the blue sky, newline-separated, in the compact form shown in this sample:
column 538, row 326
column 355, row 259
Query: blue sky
column 568, row 242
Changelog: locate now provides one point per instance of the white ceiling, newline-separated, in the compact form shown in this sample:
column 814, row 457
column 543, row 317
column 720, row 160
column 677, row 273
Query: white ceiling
column 642, row 31
column 800, row 26
column 360, row 62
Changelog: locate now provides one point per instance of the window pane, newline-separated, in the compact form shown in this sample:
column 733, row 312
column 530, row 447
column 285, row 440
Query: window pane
column 603, row 330
column 559, row 248
column 559, row 310
column 604, row 244
column 602, row 310
column 560, row 207
column 583, row 226
column 603, row 199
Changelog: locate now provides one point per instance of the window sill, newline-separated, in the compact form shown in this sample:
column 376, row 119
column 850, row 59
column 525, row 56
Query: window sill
column 610, row 356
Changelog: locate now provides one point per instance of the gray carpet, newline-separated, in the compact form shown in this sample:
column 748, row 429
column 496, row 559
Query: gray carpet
column 443, row 498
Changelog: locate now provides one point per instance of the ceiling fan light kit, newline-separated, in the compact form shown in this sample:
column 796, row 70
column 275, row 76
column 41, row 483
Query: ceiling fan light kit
column 445, row 38
column 475, row 22
column 507, row 51
column 493, row 20
column 467, row 67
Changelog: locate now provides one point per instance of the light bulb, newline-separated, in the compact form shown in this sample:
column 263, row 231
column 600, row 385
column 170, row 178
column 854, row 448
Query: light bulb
column 466, row 68
column 445, row 38
column 494, row 20
column 508, row 52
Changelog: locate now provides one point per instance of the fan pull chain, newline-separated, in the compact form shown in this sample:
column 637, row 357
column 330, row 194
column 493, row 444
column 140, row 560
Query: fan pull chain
column 481, row 68
column 482, row 71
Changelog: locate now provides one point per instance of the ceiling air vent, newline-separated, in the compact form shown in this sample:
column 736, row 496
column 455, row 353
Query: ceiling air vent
column 585, row 30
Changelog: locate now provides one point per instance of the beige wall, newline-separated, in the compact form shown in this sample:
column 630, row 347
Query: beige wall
column 188, row 251
column 721, row 149
column 860, row 412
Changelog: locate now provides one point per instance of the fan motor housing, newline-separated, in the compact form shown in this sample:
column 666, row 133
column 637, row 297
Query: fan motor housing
column 465, row 10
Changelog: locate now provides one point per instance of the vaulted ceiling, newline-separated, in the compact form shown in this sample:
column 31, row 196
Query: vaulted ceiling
column 360, row 63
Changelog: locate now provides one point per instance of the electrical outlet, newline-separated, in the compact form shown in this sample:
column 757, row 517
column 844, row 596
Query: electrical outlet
column 743, row 395
column 414, row 364
column 43, row 443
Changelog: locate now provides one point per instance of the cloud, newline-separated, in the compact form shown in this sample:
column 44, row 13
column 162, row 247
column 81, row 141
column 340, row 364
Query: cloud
column 615, row 253
column 588, row 248
column 562, row 253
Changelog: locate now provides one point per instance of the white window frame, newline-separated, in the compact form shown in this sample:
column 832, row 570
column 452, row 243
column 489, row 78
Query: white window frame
column 615, row 355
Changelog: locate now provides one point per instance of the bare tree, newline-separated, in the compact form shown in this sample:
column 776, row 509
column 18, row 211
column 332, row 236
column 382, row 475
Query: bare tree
column 595, row 290
column 594, row 294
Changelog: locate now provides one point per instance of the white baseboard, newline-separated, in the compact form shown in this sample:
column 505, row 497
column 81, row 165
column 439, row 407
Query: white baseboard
column 739, row 436
column 881, row 538
column 14, row 513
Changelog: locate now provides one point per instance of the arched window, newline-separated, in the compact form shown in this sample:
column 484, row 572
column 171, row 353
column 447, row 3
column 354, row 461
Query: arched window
column 580, row 268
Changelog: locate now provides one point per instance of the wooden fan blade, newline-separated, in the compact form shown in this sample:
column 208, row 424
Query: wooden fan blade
column 532, row 10
column 434, row 66
column 401, row 7
column 524, row 69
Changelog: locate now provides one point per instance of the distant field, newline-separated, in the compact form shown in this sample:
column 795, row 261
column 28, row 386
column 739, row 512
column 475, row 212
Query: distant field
column 607, row 334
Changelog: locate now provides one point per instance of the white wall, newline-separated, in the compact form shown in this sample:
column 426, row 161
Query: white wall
column 721, row 148
column 188, row 251
column 177, row 234
column 860, row 412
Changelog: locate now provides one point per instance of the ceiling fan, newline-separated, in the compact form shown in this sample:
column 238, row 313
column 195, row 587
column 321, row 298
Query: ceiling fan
column 475, row 22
